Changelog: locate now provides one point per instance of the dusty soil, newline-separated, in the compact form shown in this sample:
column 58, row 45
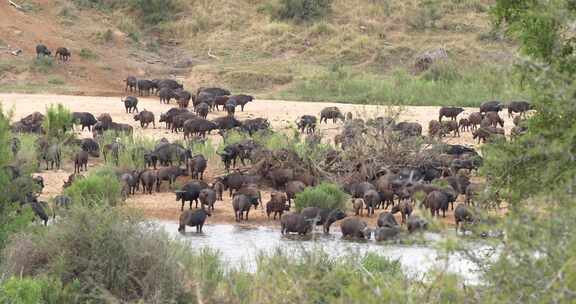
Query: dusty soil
column 163, row 205
column 55, row 24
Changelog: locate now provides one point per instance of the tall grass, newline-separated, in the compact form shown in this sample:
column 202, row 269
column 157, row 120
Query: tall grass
column 441, row 85
column 207, row 149
column 58, row 122
column 131, row 153
column 27, row 157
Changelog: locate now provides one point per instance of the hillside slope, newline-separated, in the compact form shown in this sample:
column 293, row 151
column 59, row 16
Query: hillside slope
column 359, row 52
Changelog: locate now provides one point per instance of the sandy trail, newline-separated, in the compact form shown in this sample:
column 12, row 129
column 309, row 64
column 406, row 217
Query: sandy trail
column 162, row 205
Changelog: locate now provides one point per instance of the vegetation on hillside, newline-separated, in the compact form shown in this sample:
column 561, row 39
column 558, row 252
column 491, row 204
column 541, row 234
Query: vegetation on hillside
column 349, row 51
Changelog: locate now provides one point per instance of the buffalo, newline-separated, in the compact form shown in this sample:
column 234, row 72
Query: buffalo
column 331, row 113
column 145, row 118
column 450, row 112
column 63, row 54
column 193, row 218
column 42, row 50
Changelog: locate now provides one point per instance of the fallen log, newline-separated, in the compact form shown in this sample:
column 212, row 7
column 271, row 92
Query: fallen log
column 15, row 5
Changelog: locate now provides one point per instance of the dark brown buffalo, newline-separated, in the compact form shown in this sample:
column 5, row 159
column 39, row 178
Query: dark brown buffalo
column 80, row 161
column 405, row 208
column 475, row 119
column 491, row 106
column 450, row 112
column 295, row 222
column 277, row 205
column 518, row 107
column 331, row 113
column 63, row 54
column 193, row 218
column 355, row 228
column 494, row 119
column 451, row 126
column 145, row 118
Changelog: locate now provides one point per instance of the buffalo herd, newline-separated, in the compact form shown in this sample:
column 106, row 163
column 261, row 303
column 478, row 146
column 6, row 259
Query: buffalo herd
column 249, row 166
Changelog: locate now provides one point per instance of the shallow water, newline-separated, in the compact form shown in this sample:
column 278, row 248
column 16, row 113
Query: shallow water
column 240, row 245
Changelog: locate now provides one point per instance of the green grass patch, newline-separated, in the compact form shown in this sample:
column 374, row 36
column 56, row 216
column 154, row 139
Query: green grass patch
column 441, row 85
column 56, row 81
column 42, row 65
column 30, row 88
column 88, row 54
column 6, row 67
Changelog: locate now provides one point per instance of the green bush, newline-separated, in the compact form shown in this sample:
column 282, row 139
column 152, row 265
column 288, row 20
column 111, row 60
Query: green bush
column 302, row 10
column 324, row 195
column 100, row 188
column 109, row 256
column 58, row 122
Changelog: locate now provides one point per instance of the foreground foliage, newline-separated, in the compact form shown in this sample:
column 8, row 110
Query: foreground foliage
column 104, row 255
column 536, row 174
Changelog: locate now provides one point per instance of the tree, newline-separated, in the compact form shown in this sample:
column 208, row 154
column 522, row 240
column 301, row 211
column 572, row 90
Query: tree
column 536, row 173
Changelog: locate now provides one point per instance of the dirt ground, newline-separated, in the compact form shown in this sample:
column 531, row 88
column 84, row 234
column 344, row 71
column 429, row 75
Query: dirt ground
column 163, row 205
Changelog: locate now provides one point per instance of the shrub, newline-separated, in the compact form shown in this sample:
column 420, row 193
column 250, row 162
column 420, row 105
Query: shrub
column 324, row 195
column 43, row 64
column 302, row 10
column 58, row 122
column 109, row 256
column 100, row 187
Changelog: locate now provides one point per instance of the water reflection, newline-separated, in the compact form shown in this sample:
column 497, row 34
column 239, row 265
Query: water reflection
column 240, row 245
